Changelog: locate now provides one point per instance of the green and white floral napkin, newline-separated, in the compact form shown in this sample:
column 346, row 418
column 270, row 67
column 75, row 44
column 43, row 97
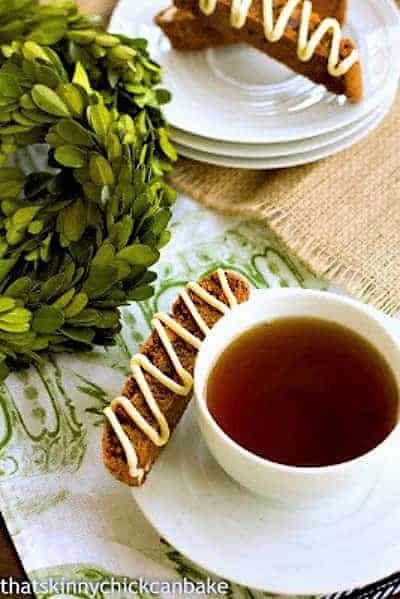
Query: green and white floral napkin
column 68, row 518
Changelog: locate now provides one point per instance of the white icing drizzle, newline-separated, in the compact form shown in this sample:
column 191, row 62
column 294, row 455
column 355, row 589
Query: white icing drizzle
column 140, row 363
column 306, row 45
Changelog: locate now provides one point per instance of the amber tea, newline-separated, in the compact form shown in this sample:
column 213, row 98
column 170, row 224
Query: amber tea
column 304, row 392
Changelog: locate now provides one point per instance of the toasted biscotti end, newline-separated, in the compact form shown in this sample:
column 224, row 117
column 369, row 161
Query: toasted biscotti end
column 353, row 79
column 285, row 50
column 189, row 33
column 171, row 405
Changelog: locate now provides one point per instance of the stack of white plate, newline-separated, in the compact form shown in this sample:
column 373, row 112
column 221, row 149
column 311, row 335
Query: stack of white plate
column 236, row 107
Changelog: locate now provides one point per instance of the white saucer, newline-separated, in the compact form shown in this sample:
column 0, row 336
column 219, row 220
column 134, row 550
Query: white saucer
column 237, row 94
column 295, row 159
column 232, row 150
column 227, row 531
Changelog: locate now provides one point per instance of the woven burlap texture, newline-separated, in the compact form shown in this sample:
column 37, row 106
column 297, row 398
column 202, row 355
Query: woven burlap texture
column 340, row 216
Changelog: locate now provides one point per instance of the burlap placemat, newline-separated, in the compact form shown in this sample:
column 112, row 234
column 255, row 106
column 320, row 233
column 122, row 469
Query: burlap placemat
column 341, row 216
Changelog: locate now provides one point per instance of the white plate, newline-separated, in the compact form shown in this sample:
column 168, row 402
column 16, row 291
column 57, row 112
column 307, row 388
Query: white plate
column 291, row 160
column 249, row 540
column 222, row 94
column 276, row 149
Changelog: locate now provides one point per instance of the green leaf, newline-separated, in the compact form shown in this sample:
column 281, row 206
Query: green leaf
column 106, row 40
column 79, row 334
column 51, row 287
column 105, row 255
column 49, row 32
column 6, row 303
column 22, row 119
column 9, row 87
column 49, row 101
column 24, row 216
column 101, row 171
column 38, row 117
column 83, row 37
column 16, row 321
column 86, row 318
column 70, row 156
column 65, row 298
column 141, row 293
column 160, row 221
column 114, row 149
column 101, row 278
column 4, row 370
column 81, row 78
column 99, row 119
column 73, row 98
column 33, row 51
column 122, row 231
column 139, row 254
column 16, row 316
column 54, row 140
column 10, row 189
column 27, row 102
column 17, row 327
column 121, row 53
column 78, row 304
column 72, row 221
column 108, row 319
column 19, row 288
column 47, row 76
column 48, row 319
column 163, row 96
column 10, row 174
column 74, row 133
column 166, row 145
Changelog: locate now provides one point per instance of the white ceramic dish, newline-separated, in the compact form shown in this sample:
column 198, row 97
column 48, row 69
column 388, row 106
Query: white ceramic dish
column 291, row 160
column 236, row 94
column 332, row 491
column 276, row 150
column 257, row 543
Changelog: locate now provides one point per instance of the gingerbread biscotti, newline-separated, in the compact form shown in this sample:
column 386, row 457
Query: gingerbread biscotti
column 300, row 39
column 140, row 421
column 331, row 8
column 188, row 32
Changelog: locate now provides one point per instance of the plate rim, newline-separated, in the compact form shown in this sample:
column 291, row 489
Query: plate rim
column 341, row 131
column 279, row 161
column 289, row 589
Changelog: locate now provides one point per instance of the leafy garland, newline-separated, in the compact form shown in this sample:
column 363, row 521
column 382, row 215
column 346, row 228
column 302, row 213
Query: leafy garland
column 77, row 240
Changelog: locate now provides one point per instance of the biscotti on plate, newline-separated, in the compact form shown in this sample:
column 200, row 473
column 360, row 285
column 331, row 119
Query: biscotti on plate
column 139, row 422
column 286, row 49
column 189, row 32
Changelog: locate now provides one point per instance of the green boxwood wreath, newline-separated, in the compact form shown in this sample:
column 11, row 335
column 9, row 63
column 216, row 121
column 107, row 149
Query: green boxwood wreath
column 77, row 239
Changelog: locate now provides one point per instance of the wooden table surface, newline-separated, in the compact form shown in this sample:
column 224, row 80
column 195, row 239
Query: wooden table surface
column 10, row 565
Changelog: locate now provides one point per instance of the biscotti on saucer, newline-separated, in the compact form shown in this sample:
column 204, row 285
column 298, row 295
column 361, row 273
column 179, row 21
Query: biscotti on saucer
column 223, row 286
column 188, row 32
column 285, row 50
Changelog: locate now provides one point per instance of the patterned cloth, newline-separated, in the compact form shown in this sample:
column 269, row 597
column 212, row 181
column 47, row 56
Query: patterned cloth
column 68, row 518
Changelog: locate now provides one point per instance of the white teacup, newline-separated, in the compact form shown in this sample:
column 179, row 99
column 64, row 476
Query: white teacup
column 342, row 486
